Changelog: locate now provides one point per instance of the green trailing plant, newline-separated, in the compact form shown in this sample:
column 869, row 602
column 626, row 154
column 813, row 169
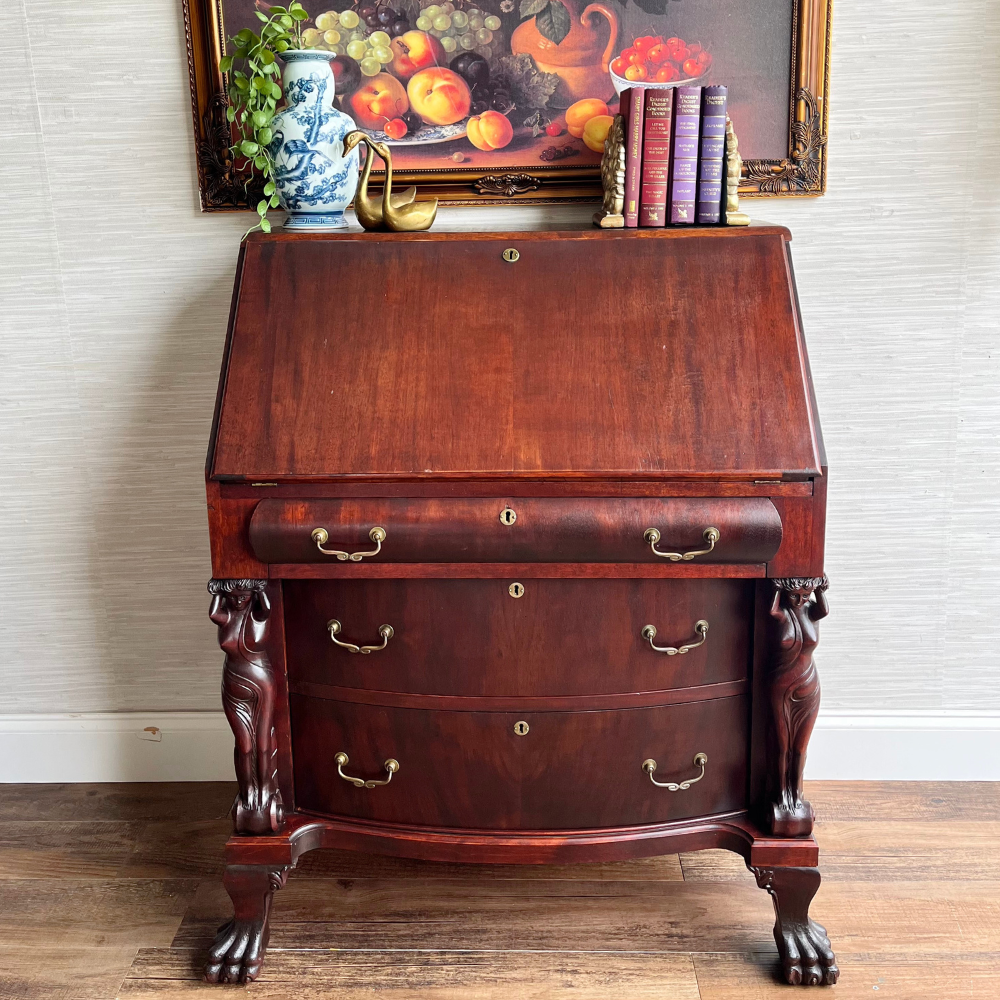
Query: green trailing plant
column 255, row 90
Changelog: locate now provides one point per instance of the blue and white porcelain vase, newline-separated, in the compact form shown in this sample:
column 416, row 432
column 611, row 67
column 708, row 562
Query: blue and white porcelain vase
column 315, row 181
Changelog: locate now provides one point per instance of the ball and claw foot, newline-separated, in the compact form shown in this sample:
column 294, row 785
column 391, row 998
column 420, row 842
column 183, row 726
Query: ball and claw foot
column 237, row 954
column 806, row 956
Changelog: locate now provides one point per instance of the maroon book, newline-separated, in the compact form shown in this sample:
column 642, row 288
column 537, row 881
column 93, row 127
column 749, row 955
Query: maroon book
column 684, row 154
column 631, row 107
column 655, row 157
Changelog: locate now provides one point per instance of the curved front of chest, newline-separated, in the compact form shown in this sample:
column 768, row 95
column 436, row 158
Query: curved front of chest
column 520, row 770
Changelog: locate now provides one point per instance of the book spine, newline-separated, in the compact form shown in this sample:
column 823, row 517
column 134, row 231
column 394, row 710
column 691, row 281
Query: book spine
column 713, row 153
column 684, row 155
column 655, row 157
column 632, row 110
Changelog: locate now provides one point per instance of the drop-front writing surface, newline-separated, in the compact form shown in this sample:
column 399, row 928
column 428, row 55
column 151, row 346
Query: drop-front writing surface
column 619, row 356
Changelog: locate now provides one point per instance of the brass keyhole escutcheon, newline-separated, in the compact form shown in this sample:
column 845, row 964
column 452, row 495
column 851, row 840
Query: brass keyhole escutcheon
column 510, row 255
column 521, row 728
column 516, row 590
column 508, row 516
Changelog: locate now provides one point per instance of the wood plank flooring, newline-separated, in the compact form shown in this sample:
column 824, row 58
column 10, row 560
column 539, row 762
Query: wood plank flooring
column 111, row 891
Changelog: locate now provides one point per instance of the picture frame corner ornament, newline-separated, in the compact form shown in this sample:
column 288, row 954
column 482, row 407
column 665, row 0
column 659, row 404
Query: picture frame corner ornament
column 507, row 185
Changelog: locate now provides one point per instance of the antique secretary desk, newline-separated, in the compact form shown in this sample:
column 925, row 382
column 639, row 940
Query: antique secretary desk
column 518, row 560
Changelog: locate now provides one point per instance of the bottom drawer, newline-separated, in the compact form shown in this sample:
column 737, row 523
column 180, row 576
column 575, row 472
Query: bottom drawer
column 570, row 770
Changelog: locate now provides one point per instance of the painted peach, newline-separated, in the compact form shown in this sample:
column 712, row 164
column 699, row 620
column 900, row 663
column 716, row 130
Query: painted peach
column 439, row 95
column 596, row 131
column 414, row 50
column 489, row 131
column 378, row 99
column 577, row 115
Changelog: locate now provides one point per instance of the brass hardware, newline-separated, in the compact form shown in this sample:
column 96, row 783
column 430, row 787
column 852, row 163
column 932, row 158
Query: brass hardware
column 521, row 728
column 701, row 627
column 391, row 765
column 321, row 536
column 386, row 631
column 516, row 590
column 508, row 516
column 700, row 760
column 711, row 535
column 510, row 255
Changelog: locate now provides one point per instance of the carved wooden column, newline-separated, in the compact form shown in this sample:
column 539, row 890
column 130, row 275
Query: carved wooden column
column 238, row 951
column 793, row 690
column 241, row 608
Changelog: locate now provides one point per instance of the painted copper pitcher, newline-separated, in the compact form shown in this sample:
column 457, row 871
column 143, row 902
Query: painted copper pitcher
column 580, row 60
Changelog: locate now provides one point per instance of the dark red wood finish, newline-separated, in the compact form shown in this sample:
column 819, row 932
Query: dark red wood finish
column 571, row 770
column 602, row 385
column 543, row 530
column 561, row 638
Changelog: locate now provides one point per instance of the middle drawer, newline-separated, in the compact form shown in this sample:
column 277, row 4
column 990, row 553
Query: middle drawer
column 559, row 638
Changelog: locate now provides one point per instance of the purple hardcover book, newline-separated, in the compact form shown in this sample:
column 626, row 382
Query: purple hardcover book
column 713, row 151
column 655, row 157
column 684, row 157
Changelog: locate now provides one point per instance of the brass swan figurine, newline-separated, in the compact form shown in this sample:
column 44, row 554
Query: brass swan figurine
column 411, row 218
column 369, row 210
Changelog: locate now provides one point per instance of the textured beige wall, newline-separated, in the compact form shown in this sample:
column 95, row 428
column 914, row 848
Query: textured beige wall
column 115, row 291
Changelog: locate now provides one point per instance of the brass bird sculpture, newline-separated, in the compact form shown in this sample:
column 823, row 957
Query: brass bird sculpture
column 367, row 209
column 411, row 218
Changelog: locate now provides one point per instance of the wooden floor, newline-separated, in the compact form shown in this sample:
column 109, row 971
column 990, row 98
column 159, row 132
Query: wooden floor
column 113, row 891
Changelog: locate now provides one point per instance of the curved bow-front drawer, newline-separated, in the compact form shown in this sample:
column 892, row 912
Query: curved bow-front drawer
column 528, row 770
column 559, row 638
column 743, row 530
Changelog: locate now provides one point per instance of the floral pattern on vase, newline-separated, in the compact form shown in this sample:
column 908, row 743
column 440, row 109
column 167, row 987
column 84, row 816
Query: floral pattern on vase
column 315, row 181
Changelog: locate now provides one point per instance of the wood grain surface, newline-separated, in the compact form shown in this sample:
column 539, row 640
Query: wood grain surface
column 120, row 901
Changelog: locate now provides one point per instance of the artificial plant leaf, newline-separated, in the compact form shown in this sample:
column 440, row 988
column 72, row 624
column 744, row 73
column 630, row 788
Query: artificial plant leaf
column 269, row 187
column 261, row 17
column 226, row 64
column 265, row 226
column 262, row 207
column 260, row 162
column 275, row 201
column 264, row 136
column 249, row 148
column 230, row 114
column 259, row 119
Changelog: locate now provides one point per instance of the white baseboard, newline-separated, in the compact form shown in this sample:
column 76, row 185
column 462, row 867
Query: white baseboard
column 198, row 746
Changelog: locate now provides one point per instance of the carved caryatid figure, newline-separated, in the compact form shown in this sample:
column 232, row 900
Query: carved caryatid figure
column 793, row 687
column 241, row 608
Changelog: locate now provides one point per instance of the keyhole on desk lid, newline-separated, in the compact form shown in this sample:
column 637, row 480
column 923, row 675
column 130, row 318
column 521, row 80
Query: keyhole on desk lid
column 521, row 728
column 508, row 516
column 510, row 255
column 516, row 590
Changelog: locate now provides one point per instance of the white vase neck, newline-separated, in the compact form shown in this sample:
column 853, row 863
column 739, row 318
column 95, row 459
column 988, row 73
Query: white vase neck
column 312, row 67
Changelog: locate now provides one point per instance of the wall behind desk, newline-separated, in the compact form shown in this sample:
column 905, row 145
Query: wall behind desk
column 115, row 295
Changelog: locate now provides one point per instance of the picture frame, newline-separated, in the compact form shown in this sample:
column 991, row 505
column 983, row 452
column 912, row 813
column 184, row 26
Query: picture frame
column 781, row 122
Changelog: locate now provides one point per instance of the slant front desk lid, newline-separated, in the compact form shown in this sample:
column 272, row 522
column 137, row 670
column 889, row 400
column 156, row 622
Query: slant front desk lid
column 640, row 353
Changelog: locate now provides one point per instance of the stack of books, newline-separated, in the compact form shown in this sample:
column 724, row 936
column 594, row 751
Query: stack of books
column 675, row 155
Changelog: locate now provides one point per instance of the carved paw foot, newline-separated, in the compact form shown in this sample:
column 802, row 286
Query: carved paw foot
column 237, row 954
column 806, row 956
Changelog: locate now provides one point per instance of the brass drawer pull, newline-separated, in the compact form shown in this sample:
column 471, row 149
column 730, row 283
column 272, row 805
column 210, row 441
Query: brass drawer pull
column 649, row 632
column 386, row 631
column 649, row 766
column 321, row 536
column 711, row 535
column 391, row 765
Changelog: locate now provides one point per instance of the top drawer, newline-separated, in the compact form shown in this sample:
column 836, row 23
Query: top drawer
column 748, row 530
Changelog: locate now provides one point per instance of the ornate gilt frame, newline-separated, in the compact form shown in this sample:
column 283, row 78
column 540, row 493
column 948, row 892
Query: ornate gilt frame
column 802, row 173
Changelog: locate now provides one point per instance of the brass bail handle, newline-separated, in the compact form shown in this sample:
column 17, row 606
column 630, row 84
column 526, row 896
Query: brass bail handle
column 700, row 760
column 321, row 536
column 391, row 765
column 701, row 627
column 386, row 631
column 711, row 535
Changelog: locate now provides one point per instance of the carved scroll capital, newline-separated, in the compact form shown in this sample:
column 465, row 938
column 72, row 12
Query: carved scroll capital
column 793, row 691
column 507, row 185
column 241, row 609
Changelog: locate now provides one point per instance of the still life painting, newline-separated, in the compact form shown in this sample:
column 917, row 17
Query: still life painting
column 512, row 99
